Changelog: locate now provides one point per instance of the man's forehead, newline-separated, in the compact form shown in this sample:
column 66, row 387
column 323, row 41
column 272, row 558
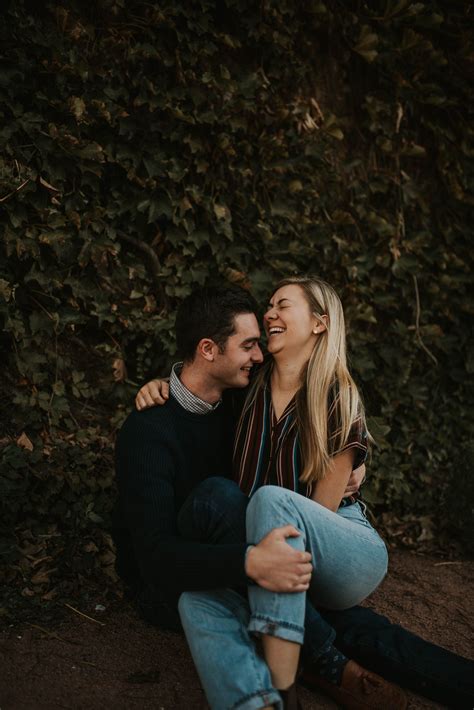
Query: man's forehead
column 246, row 326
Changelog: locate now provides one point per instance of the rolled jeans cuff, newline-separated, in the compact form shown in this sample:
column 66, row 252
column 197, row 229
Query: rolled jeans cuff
column 260, row 624
column 270, row 698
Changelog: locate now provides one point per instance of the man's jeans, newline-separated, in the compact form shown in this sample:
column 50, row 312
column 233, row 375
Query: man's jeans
column 217, row 623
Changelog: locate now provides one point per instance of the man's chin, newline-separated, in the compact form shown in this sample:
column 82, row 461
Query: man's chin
column 243, row 379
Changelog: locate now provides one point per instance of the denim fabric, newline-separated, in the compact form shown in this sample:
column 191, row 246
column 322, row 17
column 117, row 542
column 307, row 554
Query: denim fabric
column 232, row 673
column 349, row 558
column 217, row 624
column 215, row 512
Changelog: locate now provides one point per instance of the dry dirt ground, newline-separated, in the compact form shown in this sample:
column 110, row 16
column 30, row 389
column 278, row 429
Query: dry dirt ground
column 124, row 664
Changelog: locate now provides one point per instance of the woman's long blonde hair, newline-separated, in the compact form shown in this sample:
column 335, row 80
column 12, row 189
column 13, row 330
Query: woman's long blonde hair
column 328, row 392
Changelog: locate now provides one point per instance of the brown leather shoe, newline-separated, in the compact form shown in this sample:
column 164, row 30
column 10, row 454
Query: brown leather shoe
column 360, row 689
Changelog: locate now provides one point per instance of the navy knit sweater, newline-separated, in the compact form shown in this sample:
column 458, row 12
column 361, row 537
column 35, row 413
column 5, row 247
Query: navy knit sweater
column 161, row 455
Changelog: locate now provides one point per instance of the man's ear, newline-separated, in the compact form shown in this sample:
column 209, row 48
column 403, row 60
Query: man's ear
column 207, row 349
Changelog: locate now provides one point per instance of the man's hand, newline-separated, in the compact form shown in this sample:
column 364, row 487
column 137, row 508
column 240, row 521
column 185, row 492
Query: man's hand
column 355, row 481
column 153, row 393
column 278, row 567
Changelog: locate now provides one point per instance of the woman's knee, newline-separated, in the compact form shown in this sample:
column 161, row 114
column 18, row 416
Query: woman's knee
column 268, row 497
column 270, row 507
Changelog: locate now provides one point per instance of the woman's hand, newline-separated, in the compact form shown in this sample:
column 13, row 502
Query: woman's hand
column 153, row 393
column 355, row 481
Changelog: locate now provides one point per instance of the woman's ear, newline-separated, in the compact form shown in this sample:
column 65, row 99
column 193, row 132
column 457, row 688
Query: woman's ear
column 207, row 349
column 320, row 324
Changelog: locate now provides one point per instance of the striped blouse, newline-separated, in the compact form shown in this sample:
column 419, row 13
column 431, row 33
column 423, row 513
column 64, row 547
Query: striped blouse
column 267, row 450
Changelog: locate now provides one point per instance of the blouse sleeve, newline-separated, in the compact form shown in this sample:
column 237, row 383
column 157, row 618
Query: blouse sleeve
column 357, row 439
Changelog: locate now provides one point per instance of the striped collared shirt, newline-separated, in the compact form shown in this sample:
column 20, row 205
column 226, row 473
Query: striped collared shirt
column 184, row 397
column 267, row 450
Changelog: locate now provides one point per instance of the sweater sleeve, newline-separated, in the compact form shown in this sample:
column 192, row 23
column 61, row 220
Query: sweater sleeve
column 146, row 480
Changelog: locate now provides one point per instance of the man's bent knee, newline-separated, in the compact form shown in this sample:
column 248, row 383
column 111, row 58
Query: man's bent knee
column 217, row 486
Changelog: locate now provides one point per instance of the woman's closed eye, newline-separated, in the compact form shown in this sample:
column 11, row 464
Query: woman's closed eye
column 279, row 307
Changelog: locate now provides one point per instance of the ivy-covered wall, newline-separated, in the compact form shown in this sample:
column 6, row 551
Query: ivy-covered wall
column 148, row 147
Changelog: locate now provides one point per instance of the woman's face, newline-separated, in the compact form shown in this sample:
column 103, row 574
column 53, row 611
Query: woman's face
column 289, row 323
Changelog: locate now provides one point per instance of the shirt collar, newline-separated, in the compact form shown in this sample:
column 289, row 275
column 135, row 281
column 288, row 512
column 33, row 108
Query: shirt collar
column 184, row 397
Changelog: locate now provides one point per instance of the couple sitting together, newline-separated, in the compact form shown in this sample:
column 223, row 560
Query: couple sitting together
column 239, row 505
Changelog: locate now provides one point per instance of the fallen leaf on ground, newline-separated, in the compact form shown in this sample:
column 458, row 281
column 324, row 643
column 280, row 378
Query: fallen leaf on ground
column 24, row 442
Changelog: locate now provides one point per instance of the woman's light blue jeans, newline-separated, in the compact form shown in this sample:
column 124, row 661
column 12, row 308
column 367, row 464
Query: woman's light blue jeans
column 349, row 562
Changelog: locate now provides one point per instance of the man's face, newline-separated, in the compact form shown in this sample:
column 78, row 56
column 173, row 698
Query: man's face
column 242, row 351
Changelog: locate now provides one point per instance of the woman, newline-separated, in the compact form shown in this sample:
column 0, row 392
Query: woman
column 301, row 433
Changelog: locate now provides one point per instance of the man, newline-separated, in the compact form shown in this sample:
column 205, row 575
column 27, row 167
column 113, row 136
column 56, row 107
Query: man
column 164, row 454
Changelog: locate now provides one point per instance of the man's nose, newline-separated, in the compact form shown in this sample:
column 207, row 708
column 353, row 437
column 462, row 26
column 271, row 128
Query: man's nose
column 257, row 355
